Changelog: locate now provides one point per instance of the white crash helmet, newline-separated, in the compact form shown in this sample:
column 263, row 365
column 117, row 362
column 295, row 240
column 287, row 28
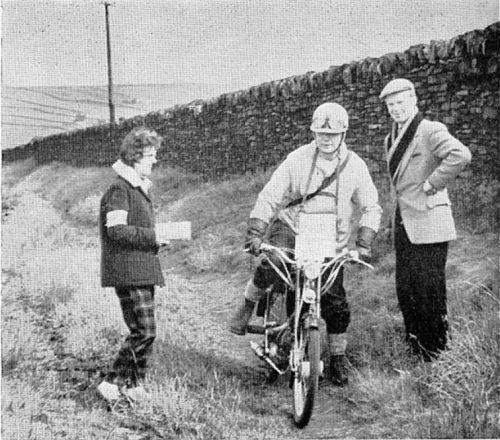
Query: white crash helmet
column 330, row 117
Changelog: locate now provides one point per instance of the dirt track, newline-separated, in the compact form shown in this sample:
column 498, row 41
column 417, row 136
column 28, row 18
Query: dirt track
column 37, row 242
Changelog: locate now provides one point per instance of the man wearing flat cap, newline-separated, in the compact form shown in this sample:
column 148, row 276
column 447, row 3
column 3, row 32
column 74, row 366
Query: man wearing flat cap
column 423, row 159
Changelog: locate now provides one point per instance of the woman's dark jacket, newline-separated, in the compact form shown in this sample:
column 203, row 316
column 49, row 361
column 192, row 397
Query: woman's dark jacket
column 129, row 252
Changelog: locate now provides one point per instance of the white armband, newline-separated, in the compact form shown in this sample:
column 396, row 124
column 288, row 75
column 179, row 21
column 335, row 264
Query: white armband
column 115, row 218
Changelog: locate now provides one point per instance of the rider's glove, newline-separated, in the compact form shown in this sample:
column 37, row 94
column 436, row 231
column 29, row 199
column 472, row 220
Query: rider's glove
column 365, row 254
column 364, row 242
column 256, row 228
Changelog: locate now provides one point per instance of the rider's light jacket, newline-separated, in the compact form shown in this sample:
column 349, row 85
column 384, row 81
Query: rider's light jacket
column 289, row 181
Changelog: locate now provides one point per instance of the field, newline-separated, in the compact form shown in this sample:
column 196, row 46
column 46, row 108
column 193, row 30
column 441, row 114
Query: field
column 60, row 329
column 29, row 112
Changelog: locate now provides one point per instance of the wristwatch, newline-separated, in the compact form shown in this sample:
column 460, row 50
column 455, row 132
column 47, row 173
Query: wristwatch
column 429, row 189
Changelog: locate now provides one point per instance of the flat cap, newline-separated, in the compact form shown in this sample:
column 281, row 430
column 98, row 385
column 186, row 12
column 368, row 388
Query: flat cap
column 395, row 86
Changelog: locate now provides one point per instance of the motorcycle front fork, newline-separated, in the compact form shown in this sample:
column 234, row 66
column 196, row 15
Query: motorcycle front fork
column 308, row 319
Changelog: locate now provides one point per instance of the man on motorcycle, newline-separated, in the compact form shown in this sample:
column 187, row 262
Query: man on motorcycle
column 321, row 176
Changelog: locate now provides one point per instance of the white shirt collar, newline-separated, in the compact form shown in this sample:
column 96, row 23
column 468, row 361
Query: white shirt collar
column 130, row 175
column 397, row 133
column 408, row 121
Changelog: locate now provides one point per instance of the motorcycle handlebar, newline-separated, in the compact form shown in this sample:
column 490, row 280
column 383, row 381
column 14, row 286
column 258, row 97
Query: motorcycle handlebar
column 351, row 255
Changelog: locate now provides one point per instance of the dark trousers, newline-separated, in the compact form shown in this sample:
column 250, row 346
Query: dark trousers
column 421, row 291
column 137, row 304
column 334, row 307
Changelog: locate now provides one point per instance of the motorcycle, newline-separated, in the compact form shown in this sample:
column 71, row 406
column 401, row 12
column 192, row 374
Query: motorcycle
column 291, row 311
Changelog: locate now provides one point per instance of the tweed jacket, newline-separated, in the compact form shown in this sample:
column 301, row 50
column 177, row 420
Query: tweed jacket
column 128, row 246
column 433, row 155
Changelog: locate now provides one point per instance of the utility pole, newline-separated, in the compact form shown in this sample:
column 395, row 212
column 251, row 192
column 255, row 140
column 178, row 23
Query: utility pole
column 108, row 3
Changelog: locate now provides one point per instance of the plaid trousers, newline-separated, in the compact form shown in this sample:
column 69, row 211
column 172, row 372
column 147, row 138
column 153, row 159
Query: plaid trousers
column 137, row 305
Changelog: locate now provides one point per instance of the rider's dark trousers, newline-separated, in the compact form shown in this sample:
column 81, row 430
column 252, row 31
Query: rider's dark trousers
column 421, row 291
column 334, row 307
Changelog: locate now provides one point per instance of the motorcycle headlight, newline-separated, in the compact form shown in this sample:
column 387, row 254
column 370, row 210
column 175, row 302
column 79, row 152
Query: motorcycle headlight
column 312, row 270
column 308, row 295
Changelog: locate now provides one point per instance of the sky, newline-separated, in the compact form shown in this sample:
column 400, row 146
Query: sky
column 231, row 43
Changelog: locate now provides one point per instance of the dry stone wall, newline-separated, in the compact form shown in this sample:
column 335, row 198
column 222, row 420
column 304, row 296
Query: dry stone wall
column 457, row 82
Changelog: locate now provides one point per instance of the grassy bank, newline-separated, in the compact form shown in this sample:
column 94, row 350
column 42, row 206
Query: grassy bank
column 60, row 329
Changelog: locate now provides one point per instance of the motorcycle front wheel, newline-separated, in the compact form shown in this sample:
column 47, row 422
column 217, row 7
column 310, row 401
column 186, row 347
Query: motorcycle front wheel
column 306, row 376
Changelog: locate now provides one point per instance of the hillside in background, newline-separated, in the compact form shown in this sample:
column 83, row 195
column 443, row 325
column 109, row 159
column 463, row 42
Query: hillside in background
column 29, row 112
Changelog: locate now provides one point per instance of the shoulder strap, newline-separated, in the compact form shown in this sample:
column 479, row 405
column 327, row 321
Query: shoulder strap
column 309, row 178
column 326, row 182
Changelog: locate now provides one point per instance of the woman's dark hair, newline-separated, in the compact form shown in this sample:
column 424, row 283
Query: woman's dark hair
column 134, row 144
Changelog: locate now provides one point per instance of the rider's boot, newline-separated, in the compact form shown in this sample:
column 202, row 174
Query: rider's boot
column 239, row 322
column 338, row 363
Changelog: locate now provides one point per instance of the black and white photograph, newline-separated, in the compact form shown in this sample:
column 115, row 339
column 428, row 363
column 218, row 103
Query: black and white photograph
column 250, row 219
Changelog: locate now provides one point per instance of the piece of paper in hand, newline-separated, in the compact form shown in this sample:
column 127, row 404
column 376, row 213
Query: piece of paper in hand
column 174, row 230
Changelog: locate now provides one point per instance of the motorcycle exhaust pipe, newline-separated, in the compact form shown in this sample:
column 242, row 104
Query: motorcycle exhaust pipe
column 259, row 351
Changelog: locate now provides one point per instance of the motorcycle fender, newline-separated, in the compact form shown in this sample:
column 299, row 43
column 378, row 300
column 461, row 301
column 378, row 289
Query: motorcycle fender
column 311, row 322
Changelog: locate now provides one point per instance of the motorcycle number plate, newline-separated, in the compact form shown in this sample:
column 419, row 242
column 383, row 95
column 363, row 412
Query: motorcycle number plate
column 316, row 238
